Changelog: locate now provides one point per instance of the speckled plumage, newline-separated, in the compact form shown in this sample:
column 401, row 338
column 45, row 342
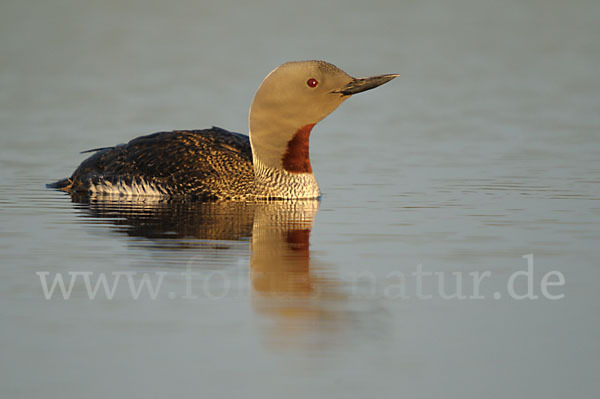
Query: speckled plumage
column 204, row 164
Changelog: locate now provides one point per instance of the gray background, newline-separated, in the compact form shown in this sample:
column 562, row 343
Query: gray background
column 484, row 150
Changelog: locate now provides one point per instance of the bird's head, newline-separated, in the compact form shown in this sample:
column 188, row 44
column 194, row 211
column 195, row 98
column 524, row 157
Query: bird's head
column 290, row 101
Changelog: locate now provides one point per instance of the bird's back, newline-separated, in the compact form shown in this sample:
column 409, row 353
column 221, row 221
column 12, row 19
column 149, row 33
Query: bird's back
column 204, row 164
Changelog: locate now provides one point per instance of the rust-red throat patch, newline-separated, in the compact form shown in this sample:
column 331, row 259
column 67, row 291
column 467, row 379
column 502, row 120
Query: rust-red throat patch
column 296, row 158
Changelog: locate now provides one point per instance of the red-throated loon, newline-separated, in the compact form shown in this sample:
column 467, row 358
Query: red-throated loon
column 271, row 163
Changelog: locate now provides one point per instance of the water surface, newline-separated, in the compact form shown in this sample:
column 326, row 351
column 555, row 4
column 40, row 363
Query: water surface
column 484, row 151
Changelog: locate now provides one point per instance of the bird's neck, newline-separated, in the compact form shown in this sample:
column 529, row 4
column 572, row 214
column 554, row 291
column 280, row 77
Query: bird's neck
column 280, row 152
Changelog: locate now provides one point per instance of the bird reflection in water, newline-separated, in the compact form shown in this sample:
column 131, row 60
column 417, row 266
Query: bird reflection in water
column 299, row 296
column 301, row 302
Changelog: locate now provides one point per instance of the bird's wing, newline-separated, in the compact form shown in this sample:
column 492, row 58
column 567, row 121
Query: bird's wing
column 183, row 157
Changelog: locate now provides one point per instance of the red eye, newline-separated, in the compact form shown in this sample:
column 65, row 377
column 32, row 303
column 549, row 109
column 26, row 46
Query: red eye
column 312, row 82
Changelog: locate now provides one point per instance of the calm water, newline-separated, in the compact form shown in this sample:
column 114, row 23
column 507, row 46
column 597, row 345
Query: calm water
column 484, row 151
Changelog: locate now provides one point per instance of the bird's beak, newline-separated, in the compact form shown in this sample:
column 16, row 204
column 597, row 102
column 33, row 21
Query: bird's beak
column 358, row 85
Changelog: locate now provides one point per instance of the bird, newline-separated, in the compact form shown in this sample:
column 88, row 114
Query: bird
column 271, row 163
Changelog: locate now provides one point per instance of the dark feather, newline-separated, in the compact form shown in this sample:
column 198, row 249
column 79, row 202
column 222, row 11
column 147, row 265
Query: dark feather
column 96, row 149
column 208, row 164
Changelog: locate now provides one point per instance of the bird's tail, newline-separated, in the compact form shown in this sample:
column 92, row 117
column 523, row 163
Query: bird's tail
column 63, row 184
